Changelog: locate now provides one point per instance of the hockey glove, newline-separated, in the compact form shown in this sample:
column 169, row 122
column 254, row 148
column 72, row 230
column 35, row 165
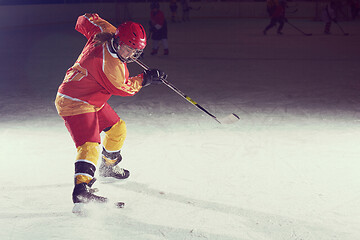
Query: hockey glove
column 153, row 76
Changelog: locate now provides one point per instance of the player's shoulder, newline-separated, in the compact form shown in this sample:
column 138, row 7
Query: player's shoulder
column 92, row 16
column 95, row 19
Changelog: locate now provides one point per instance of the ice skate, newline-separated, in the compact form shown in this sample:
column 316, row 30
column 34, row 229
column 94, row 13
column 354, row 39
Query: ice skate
column 109, row 166
column 154, row 52
column 83, row 193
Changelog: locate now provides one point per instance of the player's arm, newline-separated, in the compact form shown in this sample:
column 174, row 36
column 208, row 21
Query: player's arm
column 86, row 24
column 131, row 85
column 91, row 23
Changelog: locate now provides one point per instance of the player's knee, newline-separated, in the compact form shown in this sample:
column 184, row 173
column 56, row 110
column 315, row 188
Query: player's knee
column 118, row 130
column 115, row 137
column 89, row 151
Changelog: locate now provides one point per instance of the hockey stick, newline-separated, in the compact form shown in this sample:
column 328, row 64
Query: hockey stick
column 293, row 11
column 229, row 119
column 342, row 30
column 306, row 34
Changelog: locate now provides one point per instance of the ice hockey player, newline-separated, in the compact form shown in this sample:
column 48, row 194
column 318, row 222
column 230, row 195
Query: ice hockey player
column 173, row 9
column 329, row 15
column 100, row 72
column 277, row 15
column 158, row 29
column 270, row 6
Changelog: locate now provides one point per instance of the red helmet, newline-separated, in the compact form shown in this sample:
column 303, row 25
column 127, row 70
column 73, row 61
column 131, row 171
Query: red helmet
column 131, row 34
column 129, row 41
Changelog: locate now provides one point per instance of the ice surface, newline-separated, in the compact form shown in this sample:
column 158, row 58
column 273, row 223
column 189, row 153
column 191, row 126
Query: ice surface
column 288, row 170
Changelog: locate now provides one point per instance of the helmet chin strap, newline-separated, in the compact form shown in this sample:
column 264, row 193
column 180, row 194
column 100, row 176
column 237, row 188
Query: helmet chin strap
column 113, row 49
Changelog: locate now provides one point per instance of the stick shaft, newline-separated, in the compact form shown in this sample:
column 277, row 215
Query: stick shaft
column 298, row 29
column 175, row 89
column 341, row 29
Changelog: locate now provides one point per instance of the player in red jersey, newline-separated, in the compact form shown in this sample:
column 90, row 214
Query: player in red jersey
column 276, row 10
column 100, row 72
column 158, row 29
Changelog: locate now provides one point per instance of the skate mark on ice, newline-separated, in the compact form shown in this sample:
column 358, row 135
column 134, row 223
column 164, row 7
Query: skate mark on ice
column 31, row 215
column 26, row 188
column 254, row 219
column 224, row 208
column 144, row 189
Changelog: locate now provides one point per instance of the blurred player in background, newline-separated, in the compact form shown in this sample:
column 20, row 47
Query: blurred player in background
column 158, row 29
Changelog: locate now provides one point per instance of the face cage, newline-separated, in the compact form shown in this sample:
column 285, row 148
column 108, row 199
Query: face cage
column 126, row 53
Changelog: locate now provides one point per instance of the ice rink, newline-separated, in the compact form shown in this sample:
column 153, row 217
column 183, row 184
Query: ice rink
column 288, row 170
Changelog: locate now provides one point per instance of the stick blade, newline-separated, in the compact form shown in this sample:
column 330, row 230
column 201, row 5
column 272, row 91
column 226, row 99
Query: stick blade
column 232, row 118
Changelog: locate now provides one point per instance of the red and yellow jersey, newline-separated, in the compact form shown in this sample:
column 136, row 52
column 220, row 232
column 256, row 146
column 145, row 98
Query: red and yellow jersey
column 96, row 75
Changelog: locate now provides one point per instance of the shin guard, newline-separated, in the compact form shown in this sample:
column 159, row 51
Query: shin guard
column 86, row 160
